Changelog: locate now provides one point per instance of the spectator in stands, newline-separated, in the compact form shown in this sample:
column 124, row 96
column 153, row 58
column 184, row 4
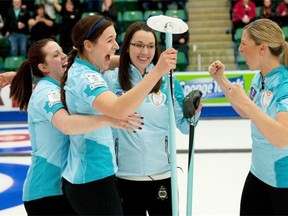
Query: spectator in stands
column 49, row 7
column 176, row 4
column 268, row 10
column 70, row 16
column 94, row 5
column 40, row 25
column 17, row 29
column 283, row 13
column 244, row 12
column 109, row 10
column 145, row 5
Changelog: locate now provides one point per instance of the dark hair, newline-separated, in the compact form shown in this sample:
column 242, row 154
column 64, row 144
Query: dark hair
column 21, row 86
column 124, row 75
column 40, row 6
column 87, row 28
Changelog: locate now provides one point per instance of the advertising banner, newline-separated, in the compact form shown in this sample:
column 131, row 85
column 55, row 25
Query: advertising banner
column 212, row 94
column 215, row 103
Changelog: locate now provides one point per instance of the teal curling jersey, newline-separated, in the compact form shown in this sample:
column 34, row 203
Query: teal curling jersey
column 91, row 155
column 49, row 145
column 147, row 152
column 269, row 163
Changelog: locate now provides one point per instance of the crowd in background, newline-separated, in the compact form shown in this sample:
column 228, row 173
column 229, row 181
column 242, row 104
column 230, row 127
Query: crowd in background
column 243, row 12
column 26, row 21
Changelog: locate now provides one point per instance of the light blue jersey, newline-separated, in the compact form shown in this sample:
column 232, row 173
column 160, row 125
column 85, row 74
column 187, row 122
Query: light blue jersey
column 269, row 163
column 49, row 145
column 91, row 155
column 146, row 152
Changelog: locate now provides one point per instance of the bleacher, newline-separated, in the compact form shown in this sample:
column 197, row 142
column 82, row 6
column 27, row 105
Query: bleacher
column 129, row 11
column 240, row 60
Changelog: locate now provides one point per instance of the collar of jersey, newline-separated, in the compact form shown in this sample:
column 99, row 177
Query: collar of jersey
column 86, row 63
column 277, row 70
column 133, row 69
column 49, row 79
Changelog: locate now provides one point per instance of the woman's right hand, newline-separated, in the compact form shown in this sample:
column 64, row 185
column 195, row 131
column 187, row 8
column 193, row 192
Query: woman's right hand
column 132, row 123
column 6, row 78
column 167, row 61
column 216, row 69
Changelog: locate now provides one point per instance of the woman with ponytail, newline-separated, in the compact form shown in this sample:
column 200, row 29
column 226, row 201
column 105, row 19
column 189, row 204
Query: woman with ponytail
column 48, row 122
column 263, row 45
column 89, row 177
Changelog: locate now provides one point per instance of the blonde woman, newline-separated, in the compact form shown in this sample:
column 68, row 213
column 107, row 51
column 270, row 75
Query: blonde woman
column 266, row 188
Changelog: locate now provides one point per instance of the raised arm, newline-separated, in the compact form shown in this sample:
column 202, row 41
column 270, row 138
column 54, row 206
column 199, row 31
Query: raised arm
column 216, row 69
column 275, row 130
column 119, row 107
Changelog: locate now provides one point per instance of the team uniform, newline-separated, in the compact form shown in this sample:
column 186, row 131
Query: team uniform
column 89, row 177
column 143, row 157
column 269, row 168
column 42, row 192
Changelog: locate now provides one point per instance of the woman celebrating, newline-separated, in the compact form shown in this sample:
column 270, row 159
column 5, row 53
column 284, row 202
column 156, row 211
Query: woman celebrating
column 143, row 158
column 48, row 120
column 90, row 172
column 266, row 188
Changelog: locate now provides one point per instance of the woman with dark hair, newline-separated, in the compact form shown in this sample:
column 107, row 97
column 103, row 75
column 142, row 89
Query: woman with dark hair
column 70, row 15
column 89, row 177
column 40, row 25
column 48, row 122
column 143, row 158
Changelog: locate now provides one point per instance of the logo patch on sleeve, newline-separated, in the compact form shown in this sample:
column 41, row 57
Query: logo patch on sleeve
column 95, row 81
column 53, row 98
column 252, row 93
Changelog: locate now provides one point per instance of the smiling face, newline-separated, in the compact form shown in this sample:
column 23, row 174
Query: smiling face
column 99, row 53
column 142, row 49
column 250, row 51
column 55, row 61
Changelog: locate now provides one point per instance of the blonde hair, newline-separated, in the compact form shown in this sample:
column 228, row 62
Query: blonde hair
column 265, row 31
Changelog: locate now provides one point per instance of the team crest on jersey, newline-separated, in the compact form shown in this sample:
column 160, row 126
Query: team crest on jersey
column 95, row 81
column 266, row 99
column 158, row 99
column 252, row 93
column 53, row 98
column 119, row 93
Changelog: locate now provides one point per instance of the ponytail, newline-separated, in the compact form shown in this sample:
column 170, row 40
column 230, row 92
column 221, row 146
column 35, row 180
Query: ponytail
column 285, row 53
column 21, row 86
column 71, row 59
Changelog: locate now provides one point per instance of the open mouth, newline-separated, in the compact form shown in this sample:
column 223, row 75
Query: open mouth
column 107, row 57
column 65, row 65
column 143, row 59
